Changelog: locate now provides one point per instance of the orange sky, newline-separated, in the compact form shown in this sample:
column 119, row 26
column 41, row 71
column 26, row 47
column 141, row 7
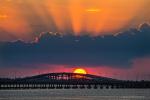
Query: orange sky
column 23, row 19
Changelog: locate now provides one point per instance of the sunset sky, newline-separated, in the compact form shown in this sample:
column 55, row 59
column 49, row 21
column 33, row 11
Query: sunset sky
column 106, row 37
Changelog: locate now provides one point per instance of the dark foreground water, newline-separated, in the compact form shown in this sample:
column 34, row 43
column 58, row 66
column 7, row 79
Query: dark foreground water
column 77, row 94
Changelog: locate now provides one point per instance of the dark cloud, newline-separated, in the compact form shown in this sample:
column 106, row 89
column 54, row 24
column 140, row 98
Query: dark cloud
column 116, row 51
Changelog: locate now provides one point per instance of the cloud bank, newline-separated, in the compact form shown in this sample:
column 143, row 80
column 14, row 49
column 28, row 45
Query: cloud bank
column 118, row 50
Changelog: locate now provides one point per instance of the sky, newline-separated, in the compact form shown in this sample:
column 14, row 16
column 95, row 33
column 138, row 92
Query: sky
column 106, row 37
column 25, row 19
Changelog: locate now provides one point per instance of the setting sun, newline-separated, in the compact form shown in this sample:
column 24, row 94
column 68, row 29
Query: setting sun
column 80, row 71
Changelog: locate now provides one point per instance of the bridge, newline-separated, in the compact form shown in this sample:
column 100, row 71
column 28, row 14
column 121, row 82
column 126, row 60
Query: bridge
column 68, row 81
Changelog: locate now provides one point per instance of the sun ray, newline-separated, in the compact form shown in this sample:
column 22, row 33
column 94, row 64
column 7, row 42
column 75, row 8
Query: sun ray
column 93, row 10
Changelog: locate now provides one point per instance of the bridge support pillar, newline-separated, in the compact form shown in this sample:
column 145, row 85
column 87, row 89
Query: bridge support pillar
column 89, row 86
column 95, row 86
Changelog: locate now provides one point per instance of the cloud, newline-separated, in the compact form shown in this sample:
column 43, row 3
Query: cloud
column 118, row 50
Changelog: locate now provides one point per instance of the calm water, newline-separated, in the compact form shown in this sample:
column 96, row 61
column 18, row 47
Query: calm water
column 85, row 94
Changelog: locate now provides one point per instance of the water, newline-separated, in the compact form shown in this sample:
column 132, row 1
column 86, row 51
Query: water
column 76, row 94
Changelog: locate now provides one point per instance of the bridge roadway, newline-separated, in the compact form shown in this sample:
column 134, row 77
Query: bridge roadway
column 69, row 81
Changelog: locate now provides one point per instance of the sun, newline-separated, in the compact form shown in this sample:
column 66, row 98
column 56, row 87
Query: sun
column 80, row 71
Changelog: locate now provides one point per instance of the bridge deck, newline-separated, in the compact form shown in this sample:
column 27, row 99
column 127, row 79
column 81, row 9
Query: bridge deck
column 69, row 80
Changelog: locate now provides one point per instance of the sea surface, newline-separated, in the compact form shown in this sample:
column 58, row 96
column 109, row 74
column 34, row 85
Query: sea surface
column 76, row 94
